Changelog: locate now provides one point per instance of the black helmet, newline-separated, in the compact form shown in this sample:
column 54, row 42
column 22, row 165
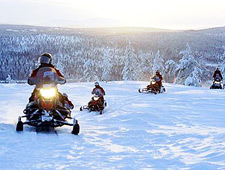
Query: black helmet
column 96, row 83
column 157, row 72
column 45, row 58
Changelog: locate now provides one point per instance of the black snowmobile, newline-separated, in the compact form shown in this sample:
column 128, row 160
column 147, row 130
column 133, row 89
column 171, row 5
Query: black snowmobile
column 152, row 88
column 96, row 104
column 217, row 84
column 47, row 112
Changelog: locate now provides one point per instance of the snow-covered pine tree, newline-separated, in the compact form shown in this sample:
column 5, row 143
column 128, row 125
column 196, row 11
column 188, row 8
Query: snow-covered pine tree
column 194, row 78
column 158, row 63
column 59, row 64
column 222, row 65
column 87, row 73
column 145, row 65
column 170, row 70
column 188, row 70
column 130, row 68
column 106, row 65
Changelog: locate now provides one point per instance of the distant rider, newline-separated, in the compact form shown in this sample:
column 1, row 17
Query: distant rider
column 66, row 102
column 158, row 78
column 217, row 74
column 100, row 92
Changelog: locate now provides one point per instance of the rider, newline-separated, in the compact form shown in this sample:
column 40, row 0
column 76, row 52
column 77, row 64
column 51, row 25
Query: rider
column 99, row 91
column 217, row 74
column 66, row 102
column 158, row 78
column 45, row 61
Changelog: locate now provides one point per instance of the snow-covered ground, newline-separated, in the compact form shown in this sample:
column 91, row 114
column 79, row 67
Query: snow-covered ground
column 183, row 128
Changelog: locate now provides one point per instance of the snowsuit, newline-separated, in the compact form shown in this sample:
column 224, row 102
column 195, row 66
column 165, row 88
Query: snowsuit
column 160, row 79
column 217, row 73
column 34, row 73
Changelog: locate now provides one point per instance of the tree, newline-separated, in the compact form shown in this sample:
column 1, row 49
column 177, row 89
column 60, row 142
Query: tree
column 222, row 65
column 188, row 69
column 87, row 73
column 130, row 63
column 107, row 65
column 170, row 71
column 145, row 65
column 193, row 79
column 158, row 63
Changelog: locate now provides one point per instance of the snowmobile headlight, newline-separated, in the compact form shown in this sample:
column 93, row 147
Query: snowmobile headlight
column 48, row 92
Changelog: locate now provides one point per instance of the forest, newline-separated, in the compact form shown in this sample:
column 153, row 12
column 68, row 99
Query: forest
column 113, row 54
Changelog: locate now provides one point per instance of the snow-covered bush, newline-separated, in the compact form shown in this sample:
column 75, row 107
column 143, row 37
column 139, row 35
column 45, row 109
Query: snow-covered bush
column 8, row 79
column 193, row 79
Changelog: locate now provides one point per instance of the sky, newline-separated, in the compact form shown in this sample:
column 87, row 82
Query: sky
column 168, row 14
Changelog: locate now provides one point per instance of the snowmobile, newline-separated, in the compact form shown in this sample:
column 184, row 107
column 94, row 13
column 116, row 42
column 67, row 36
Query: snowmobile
column 217, row 84
column 152, row 88
column 96, row 104
column 47, row 112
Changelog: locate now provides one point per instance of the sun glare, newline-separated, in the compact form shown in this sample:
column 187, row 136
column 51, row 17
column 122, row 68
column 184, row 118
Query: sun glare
column 173, row 14
column 151, row 13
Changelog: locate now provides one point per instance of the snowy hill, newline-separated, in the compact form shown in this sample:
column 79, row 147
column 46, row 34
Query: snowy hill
column 113, row 53
column 183, row 128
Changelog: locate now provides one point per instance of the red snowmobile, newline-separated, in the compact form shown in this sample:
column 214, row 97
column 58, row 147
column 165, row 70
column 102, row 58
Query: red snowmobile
column 96, row 104
column 46, row 111
column 154, row 87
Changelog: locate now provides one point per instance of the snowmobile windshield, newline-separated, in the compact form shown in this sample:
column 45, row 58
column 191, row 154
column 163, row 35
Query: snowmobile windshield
column 44, row 59
column 98, row 92
column 217, row 79
column 46, row 75
column 157, row 78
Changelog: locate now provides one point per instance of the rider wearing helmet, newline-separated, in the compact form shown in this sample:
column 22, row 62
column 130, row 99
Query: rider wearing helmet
column 45, row 60
column 158, row 75
column 66, row 102
column 217, row 74
column 99, row 91
column 158, row 79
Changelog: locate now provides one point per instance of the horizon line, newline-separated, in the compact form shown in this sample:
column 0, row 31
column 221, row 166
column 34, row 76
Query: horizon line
column 104, row 27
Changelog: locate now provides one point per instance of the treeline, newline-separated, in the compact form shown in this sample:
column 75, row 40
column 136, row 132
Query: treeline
column 187, row 57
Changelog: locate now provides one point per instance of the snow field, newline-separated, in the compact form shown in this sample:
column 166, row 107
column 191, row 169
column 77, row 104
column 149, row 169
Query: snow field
column 183, row 128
